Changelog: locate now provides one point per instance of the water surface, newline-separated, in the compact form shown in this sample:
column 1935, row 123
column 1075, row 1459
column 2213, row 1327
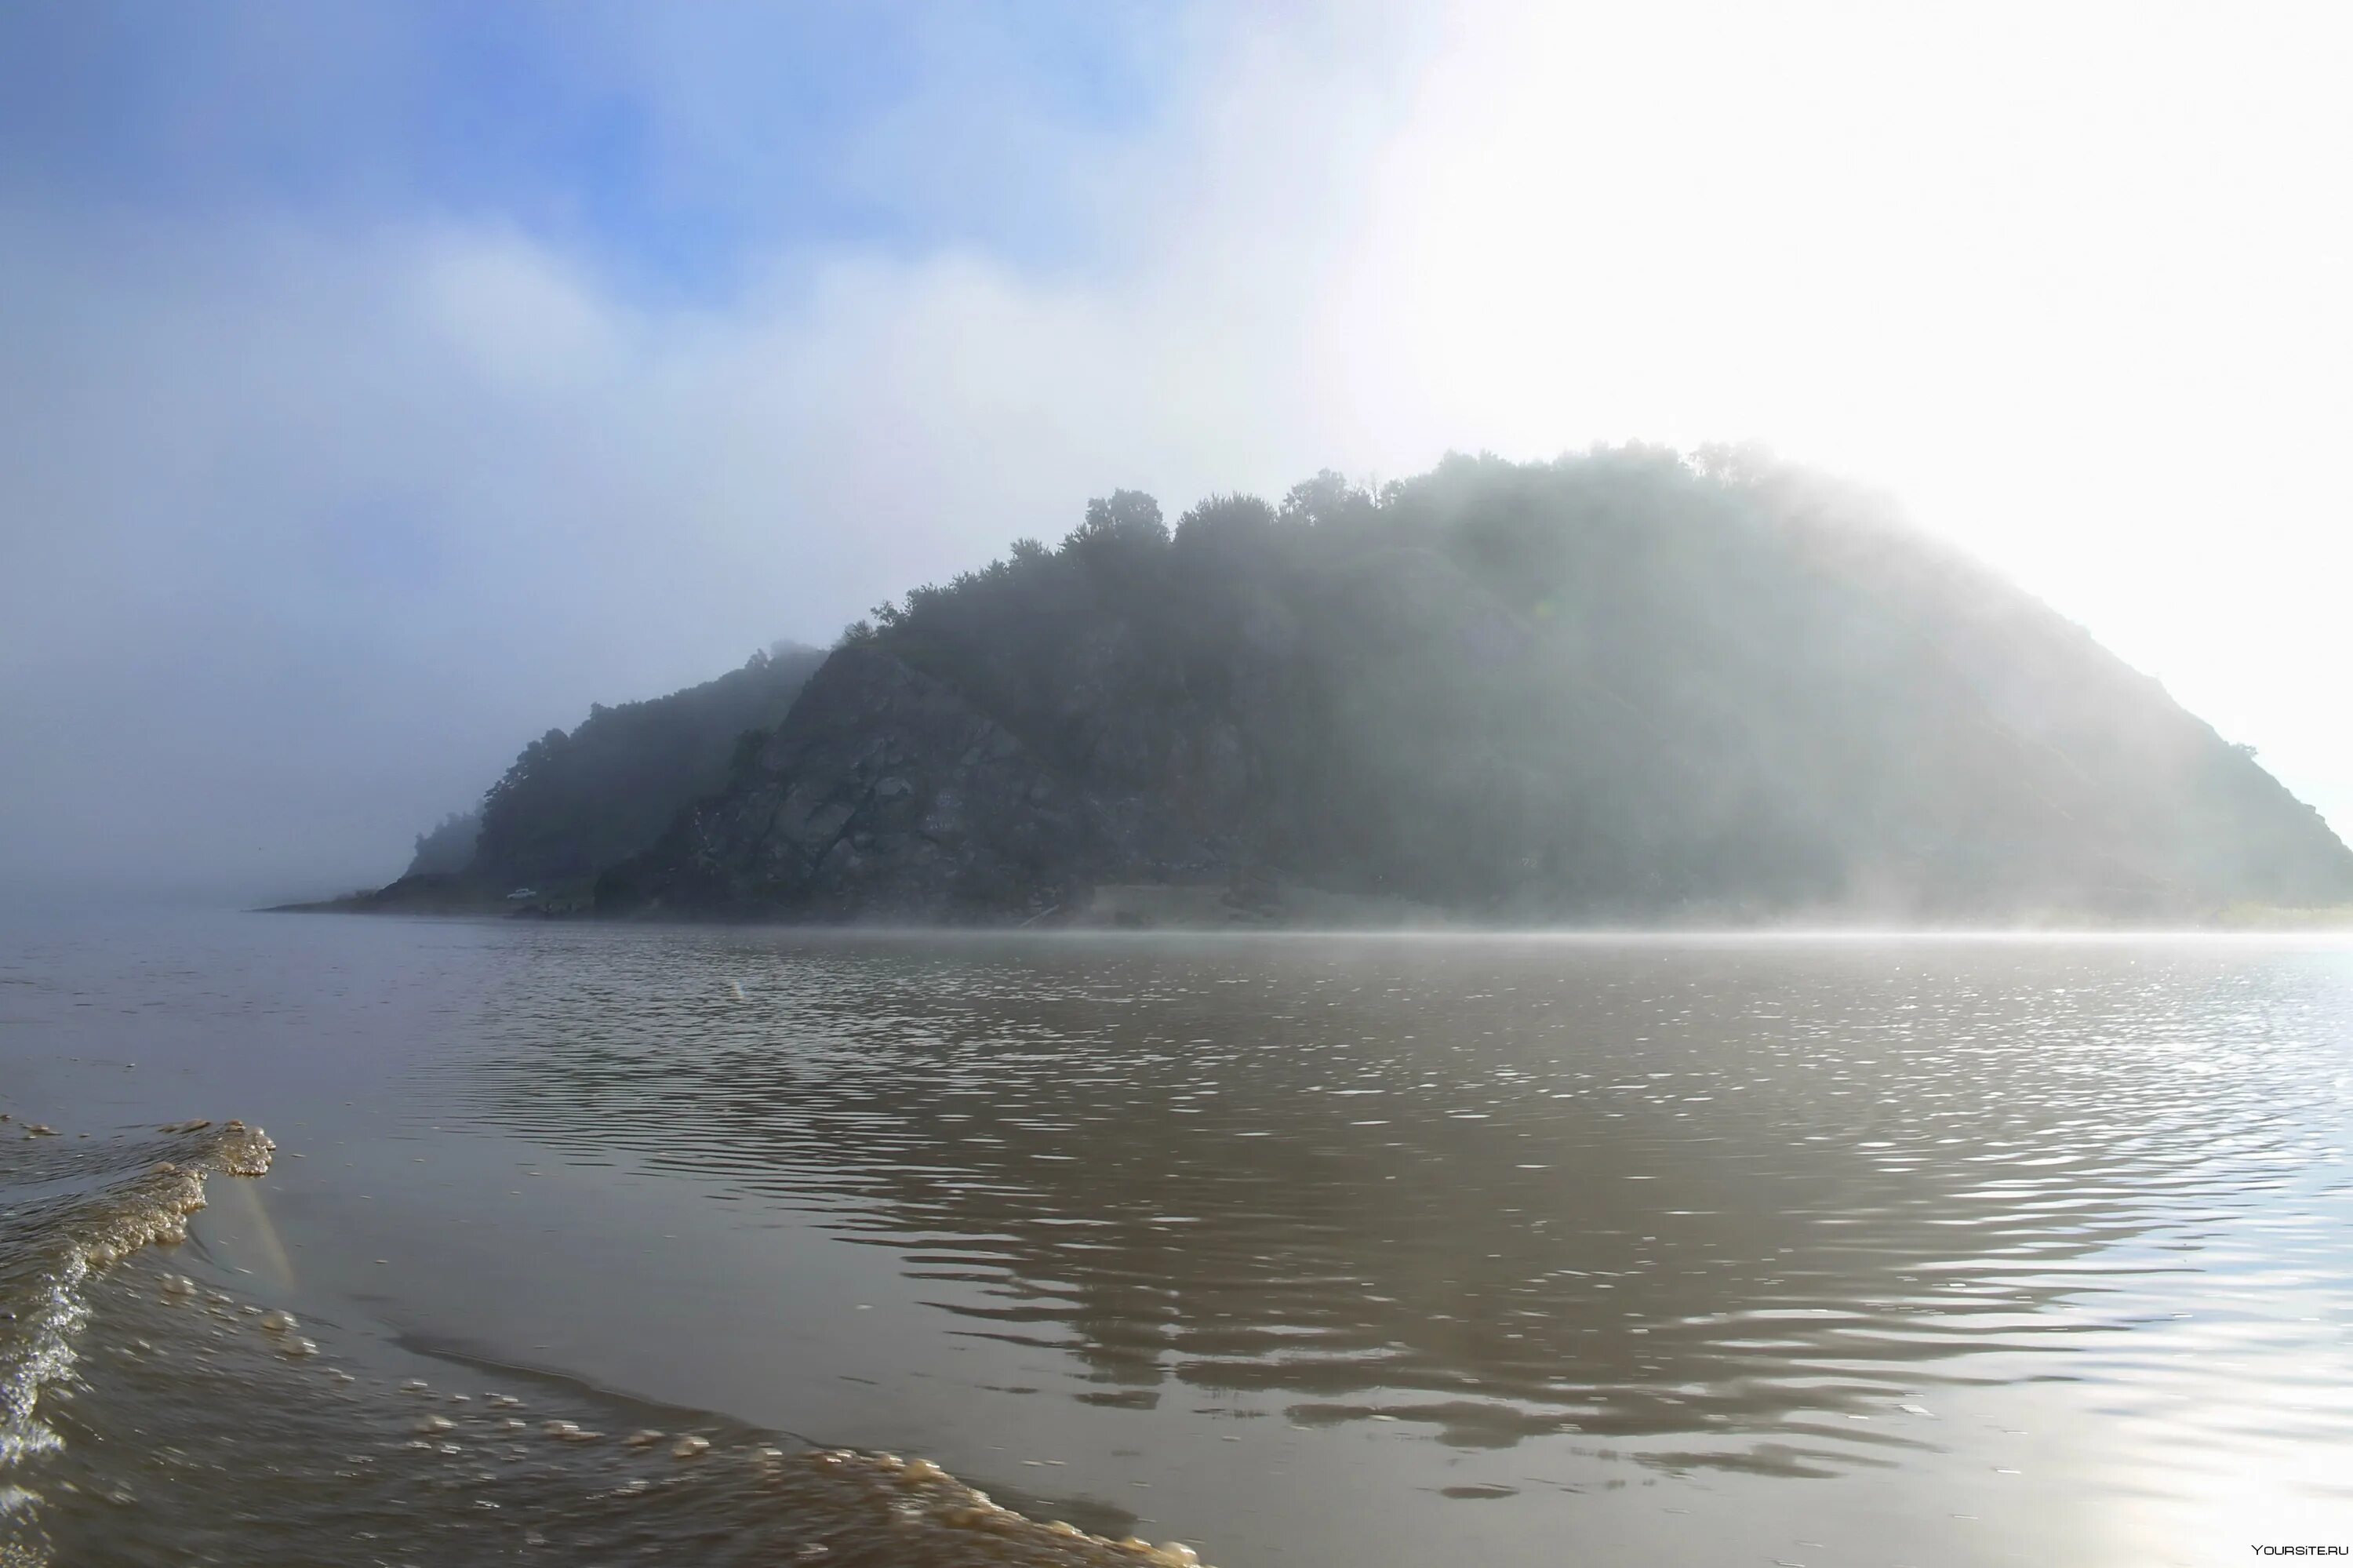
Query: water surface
column 1300, row 1250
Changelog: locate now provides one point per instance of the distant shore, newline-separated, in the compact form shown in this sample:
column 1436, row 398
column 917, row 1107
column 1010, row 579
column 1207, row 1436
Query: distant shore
column 433, row 893
column 1212, row 907
column 1110, row 907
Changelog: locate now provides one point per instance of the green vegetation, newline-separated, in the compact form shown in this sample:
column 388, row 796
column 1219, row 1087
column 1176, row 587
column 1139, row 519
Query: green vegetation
column 1625, row 682
column 576, row 802
column 448, row 848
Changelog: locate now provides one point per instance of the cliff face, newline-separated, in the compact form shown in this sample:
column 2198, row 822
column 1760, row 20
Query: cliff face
column 886, row 796
column 1622, row 687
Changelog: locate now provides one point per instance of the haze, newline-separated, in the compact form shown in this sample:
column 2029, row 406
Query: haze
column 381, row 385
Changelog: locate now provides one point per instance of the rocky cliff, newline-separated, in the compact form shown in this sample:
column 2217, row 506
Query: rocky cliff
column 885, row 795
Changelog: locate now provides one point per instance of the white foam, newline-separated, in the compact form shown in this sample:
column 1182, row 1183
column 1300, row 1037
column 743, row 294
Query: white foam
column 105, row 1225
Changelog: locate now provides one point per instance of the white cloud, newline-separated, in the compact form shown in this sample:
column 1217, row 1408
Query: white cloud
column 309, row 527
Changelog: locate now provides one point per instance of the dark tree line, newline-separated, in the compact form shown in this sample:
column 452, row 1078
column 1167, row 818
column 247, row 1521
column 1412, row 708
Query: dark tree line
column 448, row 848
column 574, row 802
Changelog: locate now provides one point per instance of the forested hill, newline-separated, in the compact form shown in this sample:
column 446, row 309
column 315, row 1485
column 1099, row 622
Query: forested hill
column 575, row 803
column 1629, row 684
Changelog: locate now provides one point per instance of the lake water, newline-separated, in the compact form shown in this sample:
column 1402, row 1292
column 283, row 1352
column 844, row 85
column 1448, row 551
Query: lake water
column 1302, row 1251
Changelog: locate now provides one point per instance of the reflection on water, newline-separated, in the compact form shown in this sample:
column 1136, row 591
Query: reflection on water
column 1746, row 1196
column 1314, row 1253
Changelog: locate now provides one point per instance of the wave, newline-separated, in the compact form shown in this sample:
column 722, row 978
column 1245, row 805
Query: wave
column 72, row 1207
column 147, row 1417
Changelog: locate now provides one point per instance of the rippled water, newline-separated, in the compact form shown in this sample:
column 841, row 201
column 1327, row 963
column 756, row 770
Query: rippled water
column 1304, row 1250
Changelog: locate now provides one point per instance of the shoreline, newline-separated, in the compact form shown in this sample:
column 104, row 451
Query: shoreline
column 1203, row 909
column 199, row 1281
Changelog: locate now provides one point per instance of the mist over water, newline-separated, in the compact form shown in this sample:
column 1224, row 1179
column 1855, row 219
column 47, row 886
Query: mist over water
column 1300, row 1250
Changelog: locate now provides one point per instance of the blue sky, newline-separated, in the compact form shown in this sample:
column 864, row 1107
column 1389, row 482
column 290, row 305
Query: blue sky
column 668, row 142
column 383, row 384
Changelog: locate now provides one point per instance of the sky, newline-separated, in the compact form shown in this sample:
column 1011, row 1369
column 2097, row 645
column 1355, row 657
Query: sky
column 381, row 384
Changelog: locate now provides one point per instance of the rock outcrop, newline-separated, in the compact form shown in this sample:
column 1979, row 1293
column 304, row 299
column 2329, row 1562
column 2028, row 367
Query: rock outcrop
column 886, row 796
